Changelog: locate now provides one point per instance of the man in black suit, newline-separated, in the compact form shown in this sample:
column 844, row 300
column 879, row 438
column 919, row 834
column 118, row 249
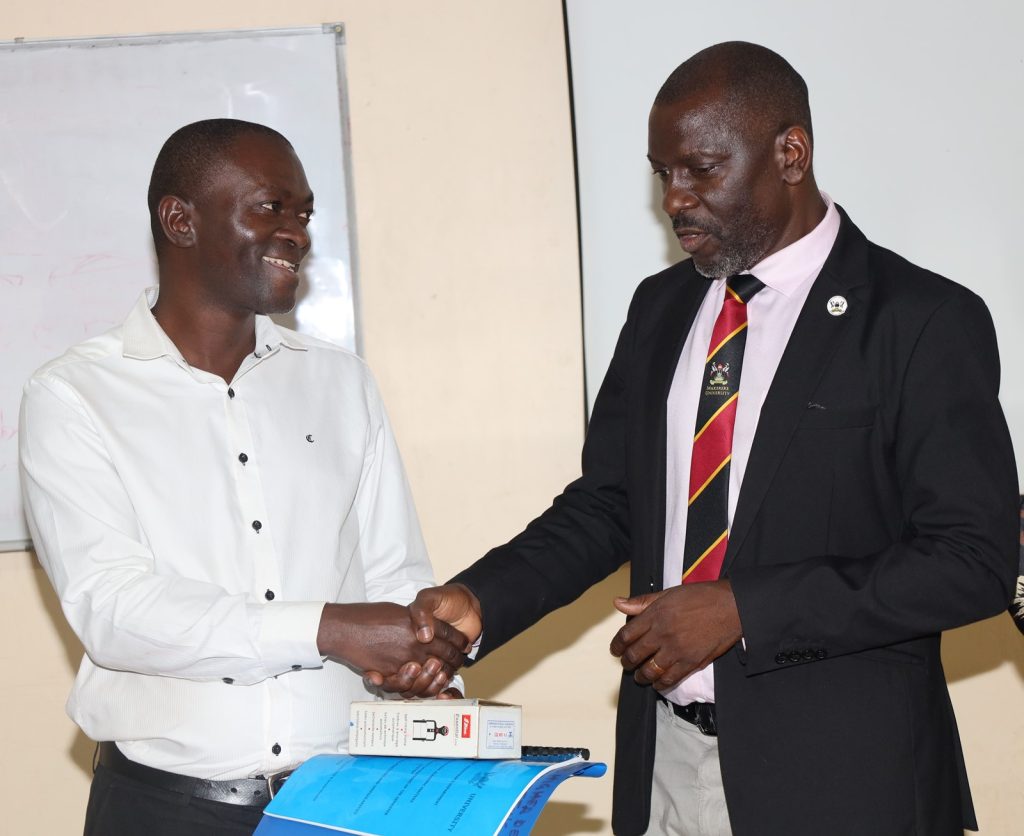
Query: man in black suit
column 866, row 493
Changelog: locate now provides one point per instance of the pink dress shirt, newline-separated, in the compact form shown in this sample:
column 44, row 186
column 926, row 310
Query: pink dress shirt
column 787, row 275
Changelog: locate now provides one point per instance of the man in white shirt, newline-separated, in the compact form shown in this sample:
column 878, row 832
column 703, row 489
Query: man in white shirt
column 216, row 501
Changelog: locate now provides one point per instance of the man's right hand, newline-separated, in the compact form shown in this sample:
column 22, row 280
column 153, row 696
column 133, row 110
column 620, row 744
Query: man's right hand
column 381, row 637
column 452, row 606
column 452, row 603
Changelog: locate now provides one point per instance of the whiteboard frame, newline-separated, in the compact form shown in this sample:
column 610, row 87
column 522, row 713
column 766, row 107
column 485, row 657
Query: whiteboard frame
column 337, row 29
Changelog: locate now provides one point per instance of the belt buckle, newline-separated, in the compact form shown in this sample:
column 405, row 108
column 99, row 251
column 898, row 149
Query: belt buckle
column 706, row 722
column 275, row 780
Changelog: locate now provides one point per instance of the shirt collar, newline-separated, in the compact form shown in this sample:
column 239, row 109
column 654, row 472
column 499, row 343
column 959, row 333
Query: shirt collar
column 269, row 336
column 144, row 339
column 789, row 268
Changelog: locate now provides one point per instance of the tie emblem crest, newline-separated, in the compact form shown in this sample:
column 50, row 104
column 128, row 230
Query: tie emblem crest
column 719, row 378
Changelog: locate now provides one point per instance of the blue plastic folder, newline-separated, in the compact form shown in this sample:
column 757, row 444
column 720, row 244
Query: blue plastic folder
column 373, row 795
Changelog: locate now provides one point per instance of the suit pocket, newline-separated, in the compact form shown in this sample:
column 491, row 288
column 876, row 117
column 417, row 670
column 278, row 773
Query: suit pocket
column 819, row 417
column 891, row 656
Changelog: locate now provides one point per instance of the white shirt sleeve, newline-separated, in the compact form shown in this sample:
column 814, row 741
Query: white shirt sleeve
column 128, row 617
column 392, row 550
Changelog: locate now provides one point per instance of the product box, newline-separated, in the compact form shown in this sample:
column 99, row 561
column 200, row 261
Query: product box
column 436, row 729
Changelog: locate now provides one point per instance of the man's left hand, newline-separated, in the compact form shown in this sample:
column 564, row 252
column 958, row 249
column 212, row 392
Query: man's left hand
column 673, row 633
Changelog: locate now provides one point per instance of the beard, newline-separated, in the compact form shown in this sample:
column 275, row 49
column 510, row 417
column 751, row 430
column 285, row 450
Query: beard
column 740, row 247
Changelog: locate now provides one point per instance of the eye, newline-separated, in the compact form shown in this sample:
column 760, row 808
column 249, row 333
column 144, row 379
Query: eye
column 704, row 170
column 307, row 215
column 271, row 205
column 660, row 173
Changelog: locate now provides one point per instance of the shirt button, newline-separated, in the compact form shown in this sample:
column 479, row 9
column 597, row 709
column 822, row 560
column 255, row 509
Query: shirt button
column 256, row 526
column 269, row 595
column 243, row 458
column 276, row 748
column 231, row 392
column 227, row 680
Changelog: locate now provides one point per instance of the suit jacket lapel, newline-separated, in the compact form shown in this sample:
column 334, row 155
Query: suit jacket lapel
column 811, row 346
column 675, row 318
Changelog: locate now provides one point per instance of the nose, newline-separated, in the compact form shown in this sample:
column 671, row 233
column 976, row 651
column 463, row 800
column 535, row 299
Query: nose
column 677, row 196
column 295, row 234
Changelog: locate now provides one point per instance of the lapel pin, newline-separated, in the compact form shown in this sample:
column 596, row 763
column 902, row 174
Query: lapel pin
column 836, row 306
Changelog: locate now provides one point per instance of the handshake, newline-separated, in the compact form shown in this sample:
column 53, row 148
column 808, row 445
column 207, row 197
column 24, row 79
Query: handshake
column 413, row 651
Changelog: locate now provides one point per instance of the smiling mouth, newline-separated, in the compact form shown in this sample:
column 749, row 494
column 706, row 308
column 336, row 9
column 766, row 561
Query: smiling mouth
column 292, row 266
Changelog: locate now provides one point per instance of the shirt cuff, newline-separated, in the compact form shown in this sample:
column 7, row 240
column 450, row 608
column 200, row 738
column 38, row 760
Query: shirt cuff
column 287, row 636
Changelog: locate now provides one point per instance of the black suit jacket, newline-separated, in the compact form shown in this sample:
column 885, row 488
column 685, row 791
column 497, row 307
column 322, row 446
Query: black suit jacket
column 878, row 508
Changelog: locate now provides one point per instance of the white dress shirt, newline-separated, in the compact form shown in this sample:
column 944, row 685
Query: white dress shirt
column 194, row 530
column 788, row 276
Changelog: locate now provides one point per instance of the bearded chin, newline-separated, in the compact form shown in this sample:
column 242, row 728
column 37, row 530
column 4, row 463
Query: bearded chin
column 711, row 271
column 727, row 264
column 734, row 256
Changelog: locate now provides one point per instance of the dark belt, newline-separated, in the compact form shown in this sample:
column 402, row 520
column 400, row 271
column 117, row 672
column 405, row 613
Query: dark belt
column 701, row 714
column 247, row 792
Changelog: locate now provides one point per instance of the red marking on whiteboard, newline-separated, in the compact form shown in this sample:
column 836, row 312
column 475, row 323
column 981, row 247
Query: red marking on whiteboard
column 89, row 263
column 7, row 430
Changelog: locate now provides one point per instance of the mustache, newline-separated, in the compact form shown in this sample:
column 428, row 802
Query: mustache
column 681, row 221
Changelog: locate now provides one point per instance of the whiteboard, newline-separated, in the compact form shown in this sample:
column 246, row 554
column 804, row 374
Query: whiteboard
column 917, row 129
column 81, row 122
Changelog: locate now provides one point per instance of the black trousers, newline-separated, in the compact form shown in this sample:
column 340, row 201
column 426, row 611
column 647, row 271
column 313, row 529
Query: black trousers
column 120, row 806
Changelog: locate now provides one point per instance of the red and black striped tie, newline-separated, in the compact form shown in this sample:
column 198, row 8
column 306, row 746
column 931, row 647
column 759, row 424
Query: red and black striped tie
column 707, row 520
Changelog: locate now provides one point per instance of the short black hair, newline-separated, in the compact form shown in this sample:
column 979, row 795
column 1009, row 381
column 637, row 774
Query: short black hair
column 184, row 163
column 761, row 82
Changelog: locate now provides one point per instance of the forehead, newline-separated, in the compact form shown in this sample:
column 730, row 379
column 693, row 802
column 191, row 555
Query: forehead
column 709, row 121
column 255, row 161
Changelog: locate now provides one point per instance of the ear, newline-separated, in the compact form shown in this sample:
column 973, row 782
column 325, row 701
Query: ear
column 794, row 155
column 176, row 220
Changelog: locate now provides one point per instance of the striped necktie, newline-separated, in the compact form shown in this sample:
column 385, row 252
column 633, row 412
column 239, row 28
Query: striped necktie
column 707, row 520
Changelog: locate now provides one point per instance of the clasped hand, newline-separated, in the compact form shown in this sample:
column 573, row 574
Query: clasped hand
column 673, row 633
column 436, row 611
column 380, row 640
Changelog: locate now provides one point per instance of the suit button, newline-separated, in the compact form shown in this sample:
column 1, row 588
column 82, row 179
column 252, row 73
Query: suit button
column 780, row 659
column 795, row 656
column 821, row 653
column 808, row 655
